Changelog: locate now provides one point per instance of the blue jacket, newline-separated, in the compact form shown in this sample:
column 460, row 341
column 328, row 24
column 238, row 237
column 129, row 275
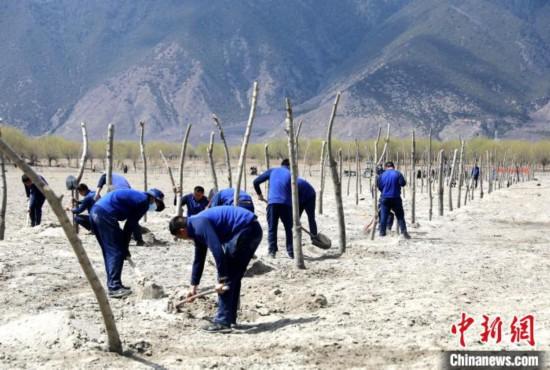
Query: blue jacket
column 125, row 204
column 306, row 192
column 279, row 185
column 119, row 181
column 390, row 183
column 212, row 228
column 193, row 206
column 475, row 172
column 224, row 197
column 85, row 204
column 34, row 194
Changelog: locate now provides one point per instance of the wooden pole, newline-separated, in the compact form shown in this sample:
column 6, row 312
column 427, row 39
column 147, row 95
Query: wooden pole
column 481, row 174
column 440, row 182
column 378, row 161
column 3, row 205
column 109, row 156
column 242, row 158
column 80, row 173
column 210, row 151
column 267, row 166
column 349, row 171
column 226, row 149
column 460, row 174
column 293, row 157
column 430, row 179
column 340, row 163
column 356, row 172
column 113, row 338
column 143, row 157
column 451, row 180
column 336, row 180
column 170, row 173
column 179, row 208
column 322, row 180
column 305, row 158
column 413, row 178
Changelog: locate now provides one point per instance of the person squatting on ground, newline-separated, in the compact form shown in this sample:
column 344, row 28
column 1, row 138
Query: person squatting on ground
column 475, row 174
column 196, row 202
column 35, row 200
column 85, row 204
column 232, row 234
column 224, row 197
column 279, row 205
column 120, row 205
column 119, row 182
column 307, row 196
column 390, row 183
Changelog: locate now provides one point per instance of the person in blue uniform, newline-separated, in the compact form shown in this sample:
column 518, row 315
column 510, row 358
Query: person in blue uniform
column 279, row 205
column 307, row 196
column 475, row 174
column 120, row 205
column 390, row 183
column 85, row 204
column 35, row 200
column 195, row 202
column 232, row 234
column 225, row 197
column 119, row 182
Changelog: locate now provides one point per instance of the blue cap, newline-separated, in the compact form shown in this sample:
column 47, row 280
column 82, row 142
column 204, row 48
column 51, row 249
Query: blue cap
column 156, row 193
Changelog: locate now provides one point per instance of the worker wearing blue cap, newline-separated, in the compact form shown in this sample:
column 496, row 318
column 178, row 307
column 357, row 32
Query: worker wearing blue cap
column 120, row 205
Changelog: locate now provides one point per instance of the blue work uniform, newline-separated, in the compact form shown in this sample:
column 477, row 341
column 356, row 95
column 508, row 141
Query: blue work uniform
column 117, row 182
column 193, row 206
column 232, row 234
column 118, row 205
column 307, row 196
column 224, row 197
column 85, row 204
column 390, row 183
column 36, row 201
column 279, row 205
column 475, row 175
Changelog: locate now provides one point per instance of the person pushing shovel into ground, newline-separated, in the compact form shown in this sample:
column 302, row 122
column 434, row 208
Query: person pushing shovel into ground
column 232, row 234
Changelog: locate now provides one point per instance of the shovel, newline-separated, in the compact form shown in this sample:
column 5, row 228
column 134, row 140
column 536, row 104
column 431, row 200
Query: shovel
column 204, row 293
column 319, row 240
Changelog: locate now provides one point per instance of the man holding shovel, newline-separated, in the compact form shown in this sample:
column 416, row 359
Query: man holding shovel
column 232, row 234
column 120, row 205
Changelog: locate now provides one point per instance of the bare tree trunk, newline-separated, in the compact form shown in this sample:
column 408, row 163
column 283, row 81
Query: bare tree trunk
column 413, row 179
column 356, row 172
column 170, row 173
column 297, row 227
column 378, row 161
column 242, row 158
column 440, row 182
column 4, row 195
column 298, row 132
column 210, row 151
column 489, row 173
column 109, row 156
column 55, row 203
column 305, row 158
column 451, row 180
column 349, row 171
column 179, row 209
column 80, row 173
column 322, row 180
column 336, row 180
column 267, row 167
column 226, row 149
column 340, row 164
column 482, row 173
column 460, row 174
column 143, row 158
column 430, row 179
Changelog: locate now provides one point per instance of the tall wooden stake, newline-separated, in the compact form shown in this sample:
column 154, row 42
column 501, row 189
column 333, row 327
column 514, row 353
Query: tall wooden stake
column 336, row 181
column 113, row 338
column 356, row 172
column 210, row 151
column 143, row 157
column 109, row 156
column 170, row 173
column 4, row 196
column 440, row 182
column 80, row 173
column 430, row 178
column 451, row 181
column 413, row 178
column 293, row 157
column 460, row 173
column 226, row 149
column 179, row 208
column 244, row 145
column 322, row 180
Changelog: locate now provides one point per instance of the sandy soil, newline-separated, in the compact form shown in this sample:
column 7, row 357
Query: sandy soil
column 388, row 303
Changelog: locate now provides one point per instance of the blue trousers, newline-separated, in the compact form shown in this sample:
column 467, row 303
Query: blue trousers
column 390, row 219
column 113, row 242
column 395, row 205
column 239, row 252
column 309, row 207
column 83, row 220
column 274, row 213
column 35, row 208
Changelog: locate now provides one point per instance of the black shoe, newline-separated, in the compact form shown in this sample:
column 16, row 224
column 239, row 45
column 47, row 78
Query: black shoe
column 382, row 235
column 140, row 243
column 291, row 256
column 406, row 235
column 120, row 292
column 216, row 327
column 271, row 254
